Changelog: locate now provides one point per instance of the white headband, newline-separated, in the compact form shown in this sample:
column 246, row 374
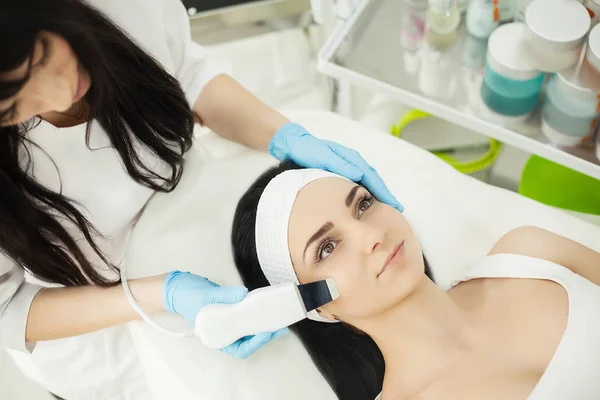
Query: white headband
column 272, row 220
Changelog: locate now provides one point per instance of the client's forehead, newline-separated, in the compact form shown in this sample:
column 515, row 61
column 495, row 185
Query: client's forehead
column 317, row 203
column 322, row 194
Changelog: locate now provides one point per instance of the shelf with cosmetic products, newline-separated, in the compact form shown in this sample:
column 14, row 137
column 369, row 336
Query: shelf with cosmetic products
column 390, row 48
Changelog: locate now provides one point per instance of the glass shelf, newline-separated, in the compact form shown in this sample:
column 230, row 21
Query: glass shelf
column 384, row 47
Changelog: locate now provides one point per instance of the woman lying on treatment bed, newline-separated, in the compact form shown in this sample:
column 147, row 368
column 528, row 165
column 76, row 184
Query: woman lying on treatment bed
column 524, row 323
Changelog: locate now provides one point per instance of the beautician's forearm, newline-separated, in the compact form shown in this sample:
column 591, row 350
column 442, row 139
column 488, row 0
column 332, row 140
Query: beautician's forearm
column 64, row 312
column 231, row 111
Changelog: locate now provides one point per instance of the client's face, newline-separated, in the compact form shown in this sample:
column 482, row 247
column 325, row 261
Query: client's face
column 337, row 229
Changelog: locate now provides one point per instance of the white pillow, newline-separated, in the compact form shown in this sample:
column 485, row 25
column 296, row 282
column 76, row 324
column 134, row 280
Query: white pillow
column 457, row 218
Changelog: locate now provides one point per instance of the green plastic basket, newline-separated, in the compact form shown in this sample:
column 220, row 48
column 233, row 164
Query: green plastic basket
column 471, row 167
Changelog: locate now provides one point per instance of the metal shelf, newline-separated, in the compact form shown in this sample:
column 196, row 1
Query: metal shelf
column 247, row 18
column 382, row 47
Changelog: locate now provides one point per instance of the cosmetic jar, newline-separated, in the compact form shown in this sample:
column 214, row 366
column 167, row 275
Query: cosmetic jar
column 590, row 68
column 555, row 31
column 570, row 110
column 511, row 85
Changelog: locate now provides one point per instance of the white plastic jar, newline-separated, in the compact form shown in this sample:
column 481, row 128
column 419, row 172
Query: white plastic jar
column 555, row 33
column 570, row 110
column 511, row 85
column 590, row 68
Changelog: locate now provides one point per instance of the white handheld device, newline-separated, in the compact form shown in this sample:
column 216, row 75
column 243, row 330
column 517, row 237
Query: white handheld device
column 266, row 309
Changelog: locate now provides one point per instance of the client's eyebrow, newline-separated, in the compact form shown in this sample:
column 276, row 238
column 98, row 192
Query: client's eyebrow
column 323, row 230
column 351, row 195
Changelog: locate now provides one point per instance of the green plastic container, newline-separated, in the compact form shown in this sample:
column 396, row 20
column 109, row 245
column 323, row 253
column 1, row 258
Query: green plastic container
column 561, row 187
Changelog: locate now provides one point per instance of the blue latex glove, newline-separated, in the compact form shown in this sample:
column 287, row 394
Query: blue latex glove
column 186, row 294
column 293, row 142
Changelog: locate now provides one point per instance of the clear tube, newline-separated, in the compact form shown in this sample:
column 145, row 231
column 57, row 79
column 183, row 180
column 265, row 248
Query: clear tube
column 136, row 306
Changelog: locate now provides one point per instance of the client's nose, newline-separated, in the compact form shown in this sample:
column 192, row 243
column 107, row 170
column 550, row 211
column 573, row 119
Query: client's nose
column 372, row 237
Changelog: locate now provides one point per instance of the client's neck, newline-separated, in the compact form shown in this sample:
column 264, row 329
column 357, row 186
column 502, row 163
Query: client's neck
column 420, row 338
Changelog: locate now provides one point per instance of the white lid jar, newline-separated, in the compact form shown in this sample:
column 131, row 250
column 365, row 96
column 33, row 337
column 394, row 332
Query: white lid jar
column 507, row 56
column 555, row 33
column 570, row 110
column 511, row 85
column 590, row 68
column 593, row 51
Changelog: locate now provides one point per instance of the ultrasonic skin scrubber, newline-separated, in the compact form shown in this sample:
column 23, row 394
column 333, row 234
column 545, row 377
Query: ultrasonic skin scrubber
column 266, row 309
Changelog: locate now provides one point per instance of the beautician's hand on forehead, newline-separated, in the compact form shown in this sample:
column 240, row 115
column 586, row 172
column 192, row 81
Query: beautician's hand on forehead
column 293, row 142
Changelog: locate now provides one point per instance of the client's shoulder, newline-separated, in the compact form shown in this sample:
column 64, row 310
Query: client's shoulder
column 540, row 243
column 527, row 241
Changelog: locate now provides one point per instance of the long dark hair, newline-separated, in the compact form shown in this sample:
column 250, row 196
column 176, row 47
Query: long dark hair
column 133, row 99
column 349, row 360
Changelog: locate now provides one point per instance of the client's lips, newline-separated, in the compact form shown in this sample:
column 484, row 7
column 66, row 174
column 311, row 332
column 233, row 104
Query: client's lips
column 391, row 258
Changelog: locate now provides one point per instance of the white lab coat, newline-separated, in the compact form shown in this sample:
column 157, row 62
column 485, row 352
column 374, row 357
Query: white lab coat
column 103, row 364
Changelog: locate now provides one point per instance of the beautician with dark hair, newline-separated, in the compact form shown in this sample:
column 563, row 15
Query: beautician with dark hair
column 97, row 106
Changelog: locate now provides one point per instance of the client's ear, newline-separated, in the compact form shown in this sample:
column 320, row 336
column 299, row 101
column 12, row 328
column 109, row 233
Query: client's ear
column 326, row 314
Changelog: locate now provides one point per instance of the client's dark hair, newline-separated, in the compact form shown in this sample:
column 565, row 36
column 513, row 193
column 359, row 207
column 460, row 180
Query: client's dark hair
column 349, row 360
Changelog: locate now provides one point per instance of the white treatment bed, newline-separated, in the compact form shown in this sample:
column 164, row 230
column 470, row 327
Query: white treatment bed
column 456, row 217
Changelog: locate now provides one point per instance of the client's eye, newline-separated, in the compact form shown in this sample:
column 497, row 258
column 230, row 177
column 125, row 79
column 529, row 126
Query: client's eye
column 326, row 247
column 363, row 204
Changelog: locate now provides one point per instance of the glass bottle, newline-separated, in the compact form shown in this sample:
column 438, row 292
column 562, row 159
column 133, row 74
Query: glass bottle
column 443, row 16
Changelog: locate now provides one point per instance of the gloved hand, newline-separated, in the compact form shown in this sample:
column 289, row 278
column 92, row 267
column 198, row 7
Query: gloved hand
column 186, row 294
column 293, row 142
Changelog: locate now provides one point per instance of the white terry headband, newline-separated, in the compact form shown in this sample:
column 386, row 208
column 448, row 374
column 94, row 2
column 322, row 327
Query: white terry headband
column 272, row 220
